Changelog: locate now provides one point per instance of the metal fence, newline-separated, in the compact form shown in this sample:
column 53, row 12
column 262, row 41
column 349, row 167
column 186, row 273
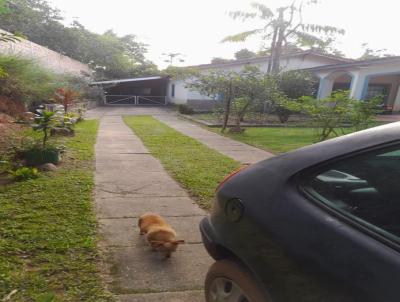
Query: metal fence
column 135, row 100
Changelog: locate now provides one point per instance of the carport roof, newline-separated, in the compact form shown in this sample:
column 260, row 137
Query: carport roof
column 128, row 80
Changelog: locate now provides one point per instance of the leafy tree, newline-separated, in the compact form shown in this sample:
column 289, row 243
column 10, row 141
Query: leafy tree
column 109, row 55
column 254, row 88
column 244, row 54
column 218, row 85
column 171, row 56
column 297, row 83
column 293, row 85
column 333, row 112
column 3, row 8
column 283, row 26
column 239, row 91
column 37, row 20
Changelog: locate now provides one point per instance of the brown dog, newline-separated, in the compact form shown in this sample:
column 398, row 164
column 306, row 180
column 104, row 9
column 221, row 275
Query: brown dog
column 160, row 235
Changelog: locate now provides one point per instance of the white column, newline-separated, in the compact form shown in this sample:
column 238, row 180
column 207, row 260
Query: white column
column 359, row 86
column 325, row 87
column 396, row 105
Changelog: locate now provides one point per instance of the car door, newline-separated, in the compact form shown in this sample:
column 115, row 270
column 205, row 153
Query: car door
column 362, row 191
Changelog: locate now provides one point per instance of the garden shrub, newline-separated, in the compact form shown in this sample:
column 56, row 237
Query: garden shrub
column 293, row 85
column 25, row 173
column 336, row 111
column 25, row 81
column 185, row 109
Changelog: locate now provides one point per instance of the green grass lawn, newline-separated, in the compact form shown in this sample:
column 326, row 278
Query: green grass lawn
column 48, row 230
column 198, row 168
column 277, row 140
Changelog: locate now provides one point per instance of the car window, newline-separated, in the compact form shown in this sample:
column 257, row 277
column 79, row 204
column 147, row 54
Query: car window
column 364, row 187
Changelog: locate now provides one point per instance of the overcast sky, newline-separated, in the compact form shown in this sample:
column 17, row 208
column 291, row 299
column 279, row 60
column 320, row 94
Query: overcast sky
column 196, row 27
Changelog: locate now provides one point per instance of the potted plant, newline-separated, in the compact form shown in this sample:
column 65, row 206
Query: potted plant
column 44, row 152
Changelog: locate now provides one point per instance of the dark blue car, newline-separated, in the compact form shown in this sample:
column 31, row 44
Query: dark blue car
column 321, row 223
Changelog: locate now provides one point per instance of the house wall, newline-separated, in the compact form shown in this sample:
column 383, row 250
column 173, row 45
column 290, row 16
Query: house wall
column 382, row 73
column 288, row 63
column 396, row 105
column 50, row 59
column 184, row 95
column 306, row 61
column 181, row 92
column 392, row 81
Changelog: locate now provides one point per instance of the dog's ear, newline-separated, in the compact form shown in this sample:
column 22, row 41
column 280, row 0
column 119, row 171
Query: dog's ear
column 179, row 242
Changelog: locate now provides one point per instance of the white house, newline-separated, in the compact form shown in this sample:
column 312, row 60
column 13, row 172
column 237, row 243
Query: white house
column 364, row 78
column 179, row 94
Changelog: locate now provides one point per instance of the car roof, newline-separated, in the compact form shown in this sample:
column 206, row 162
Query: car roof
column 297, row 160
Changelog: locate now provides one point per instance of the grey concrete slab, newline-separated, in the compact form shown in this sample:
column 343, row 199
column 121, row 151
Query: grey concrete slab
column 183, row 296
column 125, row 166
column 102, row 154
column 137, row 186
column 125, row 178
column 123, row 232
column 138, row 269
column 238, row 151
column 122, row 207
column 105, row 193
column 128, row 182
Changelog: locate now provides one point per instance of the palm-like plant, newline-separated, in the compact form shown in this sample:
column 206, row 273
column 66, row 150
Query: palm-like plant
column 284, row 26
column 44, row 123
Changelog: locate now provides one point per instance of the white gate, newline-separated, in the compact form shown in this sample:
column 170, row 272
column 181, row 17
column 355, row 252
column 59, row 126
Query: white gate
column 135, row 100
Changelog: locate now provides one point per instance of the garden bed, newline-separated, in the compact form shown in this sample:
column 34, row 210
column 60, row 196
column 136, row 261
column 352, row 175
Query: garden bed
column 266, row 120
column 48, row 230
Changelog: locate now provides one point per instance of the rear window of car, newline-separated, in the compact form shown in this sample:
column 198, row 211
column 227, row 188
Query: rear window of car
column 364, row 187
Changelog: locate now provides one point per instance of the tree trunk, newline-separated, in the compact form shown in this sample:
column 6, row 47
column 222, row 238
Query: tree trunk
column 277, row 52
column 45, row 137
column 273, row 42
column 227, row 108
column 239, row 119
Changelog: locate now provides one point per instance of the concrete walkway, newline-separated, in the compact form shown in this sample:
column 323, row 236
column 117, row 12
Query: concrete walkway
column 236, row 150
column 129, row 181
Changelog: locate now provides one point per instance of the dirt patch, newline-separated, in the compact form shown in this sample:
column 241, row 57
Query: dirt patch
column 5, row 179
column 8, row 129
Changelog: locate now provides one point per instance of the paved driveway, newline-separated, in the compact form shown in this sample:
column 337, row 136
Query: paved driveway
column 238, row 151
column 129, row 182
